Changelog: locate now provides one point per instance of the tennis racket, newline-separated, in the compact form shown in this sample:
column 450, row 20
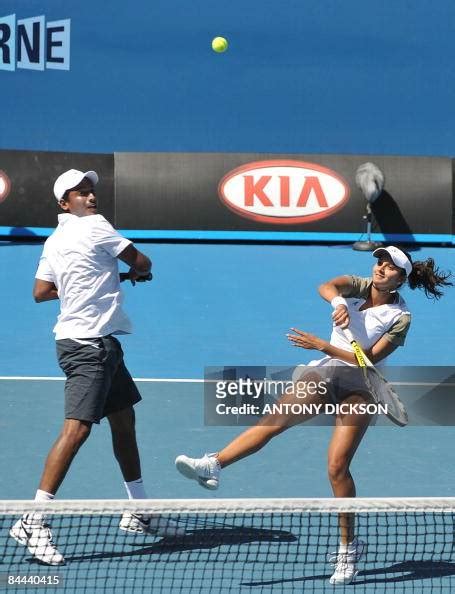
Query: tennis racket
column 142, row 279
column 377, row 385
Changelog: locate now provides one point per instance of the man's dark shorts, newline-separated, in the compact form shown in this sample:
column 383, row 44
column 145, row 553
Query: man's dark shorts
column 98, row 383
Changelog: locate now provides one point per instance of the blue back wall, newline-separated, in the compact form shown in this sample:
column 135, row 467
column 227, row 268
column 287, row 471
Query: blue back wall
column 316, row 77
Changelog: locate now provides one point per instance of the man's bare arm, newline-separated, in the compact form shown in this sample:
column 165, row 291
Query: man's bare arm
column 136, row 259
column 44, row 291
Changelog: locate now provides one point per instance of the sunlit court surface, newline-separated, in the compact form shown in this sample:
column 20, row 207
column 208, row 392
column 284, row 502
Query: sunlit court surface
column 254, row 152
column 217, row 302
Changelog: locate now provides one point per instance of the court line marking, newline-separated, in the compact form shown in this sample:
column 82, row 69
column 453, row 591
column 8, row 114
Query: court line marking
column 192, row 380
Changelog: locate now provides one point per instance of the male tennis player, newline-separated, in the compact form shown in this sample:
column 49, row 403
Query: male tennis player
column 79, row 266
column 379, row 318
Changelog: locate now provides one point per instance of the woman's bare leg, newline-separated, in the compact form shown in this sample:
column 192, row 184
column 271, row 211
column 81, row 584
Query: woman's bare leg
column 255, row 438
column 347, row 435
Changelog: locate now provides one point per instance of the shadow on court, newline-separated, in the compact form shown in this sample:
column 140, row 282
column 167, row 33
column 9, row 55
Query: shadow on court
column 194, row 540
column 413, row 570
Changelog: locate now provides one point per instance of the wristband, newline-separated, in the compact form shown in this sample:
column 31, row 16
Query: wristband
column 338, row 300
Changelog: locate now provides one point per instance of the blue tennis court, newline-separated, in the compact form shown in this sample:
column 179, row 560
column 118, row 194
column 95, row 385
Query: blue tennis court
column 213, row 305
column 218, row 305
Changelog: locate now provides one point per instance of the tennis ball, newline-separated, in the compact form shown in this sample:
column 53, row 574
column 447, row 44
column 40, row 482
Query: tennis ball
column 219, row 45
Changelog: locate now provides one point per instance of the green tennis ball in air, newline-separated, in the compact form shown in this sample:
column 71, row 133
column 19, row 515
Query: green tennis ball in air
column 219, row 45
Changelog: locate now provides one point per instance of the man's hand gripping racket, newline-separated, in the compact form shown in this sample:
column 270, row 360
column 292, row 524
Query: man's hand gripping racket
column 378, row 386
column 138, row 279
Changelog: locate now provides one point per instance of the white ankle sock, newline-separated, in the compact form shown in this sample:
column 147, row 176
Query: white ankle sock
column 135, row 489
column 43, row 496
column 38, row 517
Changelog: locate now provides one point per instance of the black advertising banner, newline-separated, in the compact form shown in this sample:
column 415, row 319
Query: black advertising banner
column 27, row 203
column 236, row 196
column 267, row 193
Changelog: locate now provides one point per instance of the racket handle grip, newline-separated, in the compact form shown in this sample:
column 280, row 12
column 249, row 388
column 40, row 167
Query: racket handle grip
column 126, row 276
column 348, row 334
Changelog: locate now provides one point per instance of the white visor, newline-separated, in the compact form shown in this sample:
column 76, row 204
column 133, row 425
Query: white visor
column 398, row 257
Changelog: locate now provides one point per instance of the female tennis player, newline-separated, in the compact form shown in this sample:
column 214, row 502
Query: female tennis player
column 379, row 319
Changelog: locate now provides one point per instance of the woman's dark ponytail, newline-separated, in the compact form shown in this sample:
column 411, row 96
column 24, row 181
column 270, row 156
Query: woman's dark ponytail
column 425, row 275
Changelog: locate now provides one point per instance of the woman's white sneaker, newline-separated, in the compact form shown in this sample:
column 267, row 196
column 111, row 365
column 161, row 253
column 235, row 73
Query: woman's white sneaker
column 345, row 561
column 205, row 470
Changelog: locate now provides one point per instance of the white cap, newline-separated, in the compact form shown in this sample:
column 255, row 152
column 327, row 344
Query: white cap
column 398, row 257
column 70, row 179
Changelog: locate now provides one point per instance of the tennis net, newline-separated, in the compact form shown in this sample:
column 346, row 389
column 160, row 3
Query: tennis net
column 232, row 545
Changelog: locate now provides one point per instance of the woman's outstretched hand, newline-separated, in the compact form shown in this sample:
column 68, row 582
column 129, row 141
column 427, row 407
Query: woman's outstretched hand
column 305, row 340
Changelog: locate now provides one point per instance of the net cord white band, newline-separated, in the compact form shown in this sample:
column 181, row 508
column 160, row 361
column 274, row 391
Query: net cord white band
column 226, row 506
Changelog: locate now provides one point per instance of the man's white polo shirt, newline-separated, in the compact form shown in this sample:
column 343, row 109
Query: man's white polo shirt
column 80, row 258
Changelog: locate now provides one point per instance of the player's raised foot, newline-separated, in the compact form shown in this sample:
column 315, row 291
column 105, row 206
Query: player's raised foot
column 38, row 539
column 205, row 470
column 345, row 562
column 153, row 525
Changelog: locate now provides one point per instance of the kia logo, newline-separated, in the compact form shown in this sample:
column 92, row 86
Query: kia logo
column 283, row 192
column 5, row 185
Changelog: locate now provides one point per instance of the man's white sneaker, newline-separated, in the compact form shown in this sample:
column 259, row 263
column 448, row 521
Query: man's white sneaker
column 205, row 470
column 154, row 525
column 38, row 539
column 345, row 562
